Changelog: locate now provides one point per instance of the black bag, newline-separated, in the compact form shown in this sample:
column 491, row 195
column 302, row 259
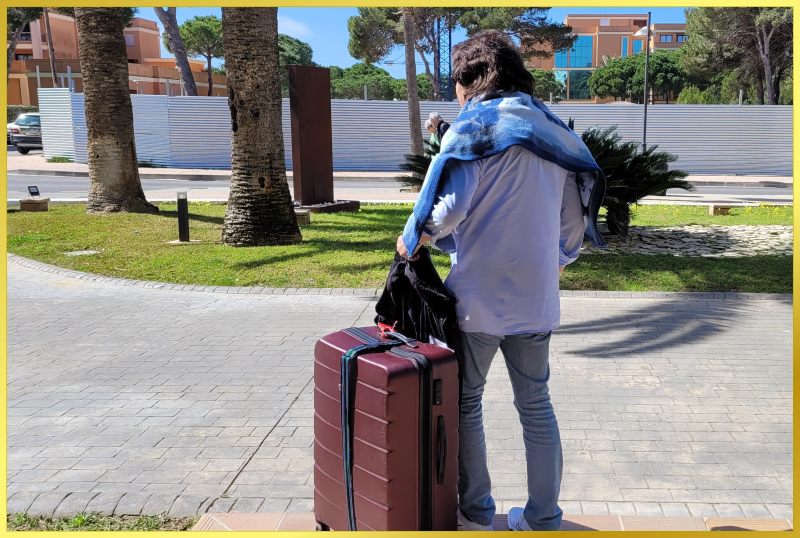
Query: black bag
column 415, row 302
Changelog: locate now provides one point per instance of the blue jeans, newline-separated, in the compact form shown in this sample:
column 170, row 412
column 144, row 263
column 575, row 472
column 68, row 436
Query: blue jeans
column 526, row 357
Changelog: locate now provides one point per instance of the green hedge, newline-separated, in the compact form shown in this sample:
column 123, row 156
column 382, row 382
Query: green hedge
column 15, row 110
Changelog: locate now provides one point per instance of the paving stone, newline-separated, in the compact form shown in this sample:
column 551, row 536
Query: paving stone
column 274, row 504
column 74, row 504
column 621, row 508
column 131, row 504
column 300, row 505
column 221, row 505
column 648, row 509
column 20, row 501
column 46, row 503
column 729, row 510
column 651, row 408
column 247, row 504
column 158, row 503
column 104, row 502
column 186, row 506
column 780, row 510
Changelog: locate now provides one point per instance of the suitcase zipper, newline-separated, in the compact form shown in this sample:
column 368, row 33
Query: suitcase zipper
column 423, row 364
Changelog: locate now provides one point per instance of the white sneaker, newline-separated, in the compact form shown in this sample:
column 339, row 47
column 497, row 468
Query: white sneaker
column 465, row 524
column 516, row 520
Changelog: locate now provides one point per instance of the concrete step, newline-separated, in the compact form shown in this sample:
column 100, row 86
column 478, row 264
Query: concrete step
column 304, row 521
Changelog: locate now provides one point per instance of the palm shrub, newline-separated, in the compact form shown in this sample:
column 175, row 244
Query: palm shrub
column 418, row 164
column 631, row 173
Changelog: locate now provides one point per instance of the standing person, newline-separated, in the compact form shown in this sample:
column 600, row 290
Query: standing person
column 437, row 127
column 434, row 138
column 511, row 196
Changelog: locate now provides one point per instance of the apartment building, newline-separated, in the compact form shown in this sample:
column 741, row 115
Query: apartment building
column 600, row 36
column 148, row 72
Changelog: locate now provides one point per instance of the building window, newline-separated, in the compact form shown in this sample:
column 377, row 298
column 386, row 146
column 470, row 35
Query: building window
column 578, row 87
column 682, row 38
column 637, row 46
column 23, row 56
column 128, row 40
column 666, row 38
column 624, row 51
column 561, row 58
column 580, row 55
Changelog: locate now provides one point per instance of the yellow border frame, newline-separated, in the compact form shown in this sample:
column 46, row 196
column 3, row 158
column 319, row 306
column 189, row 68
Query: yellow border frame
column 380, row 3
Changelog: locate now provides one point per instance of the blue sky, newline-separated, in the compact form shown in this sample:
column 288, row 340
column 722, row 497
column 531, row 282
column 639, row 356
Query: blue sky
column 325, row 29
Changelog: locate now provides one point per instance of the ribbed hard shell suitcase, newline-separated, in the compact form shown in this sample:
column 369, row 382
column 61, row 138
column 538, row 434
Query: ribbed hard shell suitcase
column 404, row 435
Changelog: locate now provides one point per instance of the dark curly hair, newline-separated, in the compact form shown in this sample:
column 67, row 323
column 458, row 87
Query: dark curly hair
column 489, row 63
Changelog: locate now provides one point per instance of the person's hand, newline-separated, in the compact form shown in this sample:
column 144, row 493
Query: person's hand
column 561, row 269
column 401, row 247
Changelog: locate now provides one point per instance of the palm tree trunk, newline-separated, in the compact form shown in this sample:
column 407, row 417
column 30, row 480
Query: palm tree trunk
column 12, row 45
column 169, row 19
column 411, row 82
column 210, row 75
column 50, row 49
column 113, row 174
column 259, row 210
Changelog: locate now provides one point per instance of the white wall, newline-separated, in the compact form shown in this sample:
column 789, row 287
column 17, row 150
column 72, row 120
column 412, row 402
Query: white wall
column 193, row 132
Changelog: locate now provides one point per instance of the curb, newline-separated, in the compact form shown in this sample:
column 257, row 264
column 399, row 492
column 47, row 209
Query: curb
column 768, row 184
column 370, row 292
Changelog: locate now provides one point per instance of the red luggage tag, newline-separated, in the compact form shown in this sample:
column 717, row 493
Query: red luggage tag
column 384, row 328
column 388, row 331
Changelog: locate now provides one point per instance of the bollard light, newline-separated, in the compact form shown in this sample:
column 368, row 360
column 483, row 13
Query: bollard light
column 183, row 217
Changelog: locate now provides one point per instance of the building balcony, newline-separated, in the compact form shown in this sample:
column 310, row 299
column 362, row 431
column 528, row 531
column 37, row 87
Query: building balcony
column 24, row 37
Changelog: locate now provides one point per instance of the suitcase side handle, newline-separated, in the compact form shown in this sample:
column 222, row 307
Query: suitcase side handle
column 441, row 449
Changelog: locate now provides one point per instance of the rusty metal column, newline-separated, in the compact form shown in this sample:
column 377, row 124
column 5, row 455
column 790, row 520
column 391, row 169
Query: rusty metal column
column 312, row 141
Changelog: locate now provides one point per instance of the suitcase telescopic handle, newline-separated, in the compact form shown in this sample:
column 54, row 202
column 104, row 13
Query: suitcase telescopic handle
column 441, row 449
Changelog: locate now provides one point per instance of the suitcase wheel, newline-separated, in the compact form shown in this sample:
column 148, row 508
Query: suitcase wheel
column 322, row 526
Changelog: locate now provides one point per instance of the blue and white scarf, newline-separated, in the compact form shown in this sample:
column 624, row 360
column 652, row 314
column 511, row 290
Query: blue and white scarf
column 486, row 127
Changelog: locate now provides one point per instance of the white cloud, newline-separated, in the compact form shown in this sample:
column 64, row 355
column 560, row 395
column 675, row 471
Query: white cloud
column 293, row 28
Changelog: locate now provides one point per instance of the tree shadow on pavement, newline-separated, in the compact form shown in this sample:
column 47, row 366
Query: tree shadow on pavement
column 659, row 325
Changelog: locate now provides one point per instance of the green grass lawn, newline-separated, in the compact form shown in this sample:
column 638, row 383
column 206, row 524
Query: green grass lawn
column 99, row 522
column 355, row 250
column 679, row 215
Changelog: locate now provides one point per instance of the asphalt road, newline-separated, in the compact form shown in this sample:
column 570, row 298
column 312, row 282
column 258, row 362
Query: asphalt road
column 59, row 187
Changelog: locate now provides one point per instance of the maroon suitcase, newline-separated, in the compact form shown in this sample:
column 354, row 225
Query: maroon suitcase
column 404, row 439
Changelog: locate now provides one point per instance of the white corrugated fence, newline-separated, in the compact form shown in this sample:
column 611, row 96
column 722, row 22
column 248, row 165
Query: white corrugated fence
column 194, row 132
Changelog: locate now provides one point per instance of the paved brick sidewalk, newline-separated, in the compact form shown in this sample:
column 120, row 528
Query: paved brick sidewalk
column 129, row 399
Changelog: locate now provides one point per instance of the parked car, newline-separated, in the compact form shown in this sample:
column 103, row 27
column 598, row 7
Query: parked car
column 26, row 132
